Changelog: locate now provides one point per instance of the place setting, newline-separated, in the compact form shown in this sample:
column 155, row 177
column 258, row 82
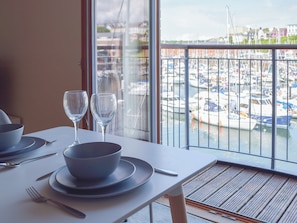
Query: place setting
column 13, row 144
column 96, row 169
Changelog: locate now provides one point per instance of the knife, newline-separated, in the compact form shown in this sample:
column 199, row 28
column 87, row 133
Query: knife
column 45, row 176
column 167, row 172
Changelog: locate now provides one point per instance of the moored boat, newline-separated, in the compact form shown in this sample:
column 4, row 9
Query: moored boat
column 259, row 107
column 172, row 103
column 214, row 114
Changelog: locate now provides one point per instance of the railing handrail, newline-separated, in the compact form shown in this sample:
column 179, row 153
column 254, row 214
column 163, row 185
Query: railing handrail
column 230, row 46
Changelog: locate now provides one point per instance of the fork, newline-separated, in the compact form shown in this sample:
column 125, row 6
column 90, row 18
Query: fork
column 15, row 164
column 38, row 198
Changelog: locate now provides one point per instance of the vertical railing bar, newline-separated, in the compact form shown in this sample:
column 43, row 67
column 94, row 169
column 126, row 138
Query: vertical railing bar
column 161, row 110
column 273, row 132
column 177, row 60
column 179, row 114
column 198, row 128
column 219, row 127
column 179, row 105
column 250, row 89
column 208, row 138
column 219, row 102
column 260, row 124
column 166, row 112
column 229, row 62
column 229, row 131
column 187, row 120
column 239, row 93
column 287, row 128
column 173, row 89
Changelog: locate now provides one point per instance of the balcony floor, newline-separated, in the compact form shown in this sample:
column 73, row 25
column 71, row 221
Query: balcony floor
column 244, row 193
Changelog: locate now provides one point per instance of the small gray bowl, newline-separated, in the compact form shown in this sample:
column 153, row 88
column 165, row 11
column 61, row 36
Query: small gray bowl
column 92, row 161
column 10, row 135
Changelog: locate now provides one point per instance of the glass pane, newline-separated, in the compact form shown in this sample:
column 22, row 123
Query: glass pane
column 122, row 65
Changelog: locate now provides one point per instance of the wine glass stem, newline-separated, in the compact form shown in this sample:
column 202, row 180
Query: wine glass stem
column 103, row 128
column 75, row 133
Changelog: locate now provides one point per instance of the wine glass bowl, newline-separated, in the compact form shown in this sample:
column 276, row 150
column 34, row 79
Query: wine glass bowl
column 103, row 108
column 75, row 103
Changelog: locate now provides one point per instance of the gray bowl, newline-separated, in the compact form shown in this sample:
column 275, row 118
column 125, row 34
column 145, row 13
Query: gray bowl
column 10, row 135
column 92, row 161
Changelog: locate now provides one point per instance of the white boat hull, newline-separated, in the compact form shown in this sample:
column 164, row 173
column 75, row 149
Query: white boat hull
column 225, row 119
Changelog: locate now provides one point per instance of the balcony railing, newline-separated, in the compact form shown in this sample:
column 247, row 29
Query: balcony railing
column 235, row 101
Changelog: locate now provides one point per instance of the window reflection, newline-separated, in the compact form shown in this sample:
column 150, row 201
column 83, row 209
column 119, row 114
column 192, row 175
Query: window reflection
column 122, row 29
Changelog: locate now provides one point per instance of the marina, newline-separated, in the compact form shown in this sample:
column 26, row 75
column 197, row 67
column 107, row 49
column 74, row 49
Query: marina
column 252, row 93
column 223, row 140
column 234, row 100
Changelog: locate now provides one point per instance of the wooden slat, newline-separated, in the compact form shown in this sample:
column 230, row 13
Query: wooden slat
column 215, row 184
column 290, row 214
column 275, row 209
column 242, row 196
column 259, row 201
column 203, row 178
column 230, row 188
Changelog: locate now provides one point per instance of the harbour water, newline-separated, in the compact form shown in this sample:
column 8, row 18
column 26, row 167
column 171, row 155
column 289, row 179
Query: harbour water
column 232, row 144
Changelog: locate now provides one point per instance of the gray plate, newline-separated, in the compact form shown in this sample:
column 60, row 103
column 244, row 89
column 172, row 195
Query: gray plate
column 26, row 145
column 125, row 170
column 143, row 173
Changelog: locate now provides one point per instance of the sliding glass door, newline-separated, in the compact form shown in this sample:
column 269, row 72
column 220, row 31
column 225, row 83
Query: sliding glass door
column 121, row 63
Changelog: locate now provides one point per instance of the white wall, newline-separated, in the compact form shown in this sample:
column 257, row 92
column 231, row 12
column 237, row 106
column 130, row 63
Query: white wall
column 40, row 48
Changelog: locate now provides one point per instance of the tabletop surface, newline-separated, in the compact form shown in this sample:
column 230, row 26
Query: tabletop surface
column 16, row 206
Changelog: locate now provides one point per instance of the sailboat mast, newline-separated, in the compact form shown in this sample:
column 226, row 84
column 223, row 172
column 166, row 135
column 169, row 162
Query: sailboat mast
column 227, row 25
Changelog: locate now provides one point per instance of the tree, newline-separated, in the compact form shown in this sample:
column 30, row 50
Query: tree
column 102, row 29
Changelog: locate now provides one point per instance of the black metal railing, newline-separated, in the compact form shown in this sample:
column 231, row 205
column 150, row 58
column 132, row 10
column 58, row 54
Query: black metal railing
column 232, row 75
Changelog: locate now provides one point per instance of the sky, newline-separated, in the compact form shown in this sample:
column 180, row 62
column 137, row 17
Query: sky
column 203, row 19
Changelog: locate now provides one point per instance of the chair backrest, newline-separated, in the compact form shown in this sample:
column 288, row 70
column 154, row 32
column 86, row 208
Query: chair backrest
column 4, row 119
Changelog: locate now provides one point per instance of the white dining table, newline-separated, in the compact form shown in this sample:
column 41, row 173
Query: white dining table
column 16, row 205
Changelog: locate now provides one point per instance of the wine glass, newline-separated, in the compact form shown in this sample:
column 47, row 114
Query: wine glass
column 103, row 107
column 75, row 104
